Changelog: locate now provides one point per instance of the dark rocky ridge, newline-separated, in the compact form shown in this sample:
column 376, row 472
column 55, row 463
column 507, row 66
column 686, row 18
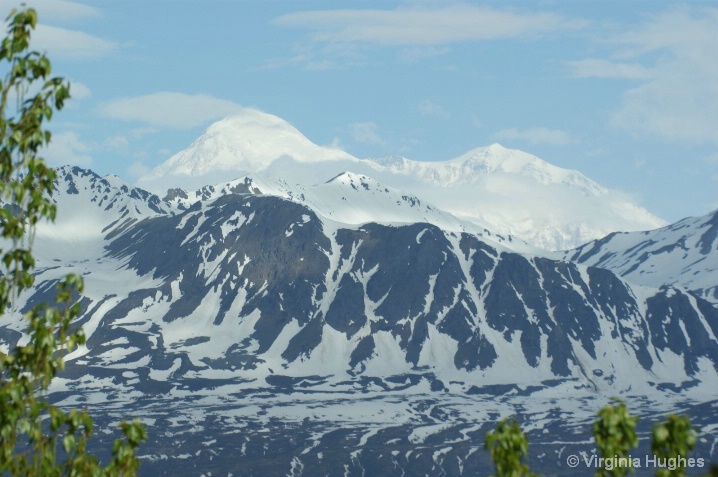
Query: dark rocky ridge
column 250, row 323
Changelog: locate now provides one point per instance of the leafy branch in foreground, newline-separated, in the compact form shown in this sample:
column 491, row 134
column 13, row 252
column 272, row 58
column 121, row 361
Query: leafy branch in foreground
column 32, row 432
column 615, row 435
column 508, row 447
column 672, row 441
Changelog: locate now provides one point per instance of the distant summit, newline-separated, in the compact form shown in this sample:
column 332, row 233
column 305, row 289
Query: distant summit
column 241, row 144
column 512, row 192
column 519, row 194
column 474, row 165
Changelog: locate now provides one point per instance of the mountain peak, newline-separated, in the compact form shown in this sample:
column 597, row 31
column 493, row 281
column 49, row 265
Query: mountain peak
column 514, row 192
column 240, row 127
column 244, row 143
column 497, row 158
column 348, row 177
column 496, row 147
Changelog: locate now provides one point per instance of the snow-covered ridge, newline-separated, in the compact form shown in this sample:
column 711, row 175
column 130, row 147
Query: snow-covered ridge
column 350, row 199
column 519, row 194
column 471, row 166
column 89, row 208
column 243, row 284
column 683, row 254
column 220, row 313
column 508, row 191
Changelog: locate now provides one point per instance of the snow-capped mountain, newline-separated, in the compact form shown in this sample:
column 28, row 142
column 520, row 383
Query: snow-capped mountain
column 469, row 167
column 516, row 193
column 511, row 192
column 235, row 146
column 683, row 254
column 240, row 321
column 90, row 207
column 275, row 287
column 352, row 199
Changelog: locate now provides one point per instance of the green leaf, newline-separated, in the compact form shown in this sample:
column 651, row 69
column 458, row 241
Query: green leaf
column 68, row 442
column 26, row 186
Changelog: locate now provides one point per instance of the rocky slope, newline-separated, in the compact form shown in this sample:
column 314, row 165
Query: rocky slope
column 256, row 335
column 683, row 254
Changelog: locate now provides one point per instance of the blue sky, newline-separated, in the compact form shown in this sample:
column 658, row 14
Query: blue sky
column 625, row 92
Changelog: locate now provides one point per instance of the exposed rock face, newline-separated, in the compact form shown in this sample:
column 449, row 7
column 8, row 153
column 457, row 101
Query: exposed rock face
column 253, row 322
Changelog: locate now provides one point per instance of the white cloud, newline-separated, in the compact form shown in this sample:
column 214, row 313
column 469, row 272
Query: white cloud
column 313, row 57
column 136, row 170
column 367, row 133
column 79, row 90
column 674, row 53
column 55, row 10
column 57, row 41
column 600, row 68
column 340, row 38
column 424, row 26
column 335, row 144
column 138, row 133
column 64, row 43
column 540, row 135
column 67, row 148
column 120, row 143
column 170, row 110
column 430, row 108
column 678, row 109
column 415, row 54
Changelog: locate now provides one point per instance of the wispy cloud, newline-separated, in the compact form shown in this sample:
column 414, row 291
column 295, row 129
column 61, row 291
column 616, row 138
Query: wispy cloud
column 540, row 135
column 601, row 68
column 674, row 54
column 55, row 10
column 58, row 41
column 68, row 148
column 425, row 26
column 118, row 143
column 79, row 90
column 318, row 57
column 367, row 133
column 415, row 54
column 170, row 109
column 64, row 43
column 137, row 169
column 340, row 38
column 430, row 108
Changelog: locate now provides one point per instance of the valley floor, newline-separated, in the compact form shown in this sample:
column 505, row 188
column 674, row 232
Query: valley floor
column 313, row 428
